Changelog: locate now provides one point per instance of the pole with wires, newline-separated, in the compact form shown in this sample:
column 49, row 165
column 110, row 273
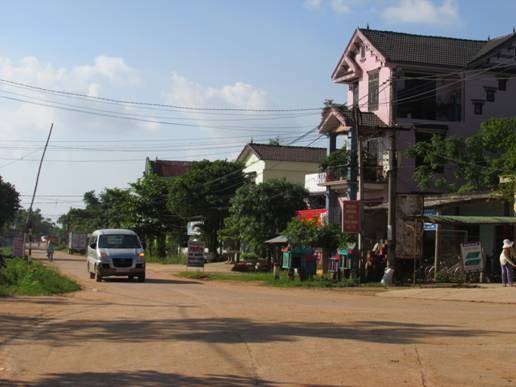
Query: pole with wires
column 28, row 223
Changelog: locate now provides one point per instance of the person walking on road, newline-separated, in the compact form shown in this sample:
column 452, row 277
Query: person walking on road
column 50, row 250
column 507, row 262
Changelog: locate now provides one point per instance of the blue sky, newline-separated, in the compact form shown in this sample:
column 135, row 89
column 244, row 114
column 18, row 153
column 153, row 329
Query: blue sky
column 236, row 54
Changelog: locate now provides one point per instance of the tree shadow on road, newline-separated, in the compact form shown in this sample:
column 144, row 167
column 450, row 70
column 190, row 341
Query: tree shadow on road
column 144, row 379
column 231, row 331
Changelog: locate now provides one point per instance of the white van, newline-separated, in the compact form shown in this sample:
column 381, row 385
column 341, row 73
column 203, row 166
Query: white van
column 115, row 252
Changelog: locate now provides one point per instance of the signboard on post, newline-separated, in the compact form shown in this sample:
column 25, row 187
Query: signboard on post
column 195, row 254
column 409, row 233
column 430, row 226
column 194, row 227
column 351, row 216
column 18, row 247
column 472, row 257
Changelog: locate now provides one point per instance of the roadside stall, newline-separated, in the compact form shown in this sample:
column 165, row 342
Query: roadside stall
column 301, row 259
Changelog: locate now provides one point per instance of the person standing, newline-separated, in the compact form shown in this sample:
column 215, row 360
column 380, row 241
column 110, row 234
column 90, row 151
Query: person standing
column 50, row 250
column 506, row 262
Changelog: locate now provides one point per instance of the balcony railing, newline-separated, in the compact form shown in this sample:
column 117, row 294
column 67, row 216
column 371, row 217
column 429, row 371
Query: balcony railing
column 372, row 174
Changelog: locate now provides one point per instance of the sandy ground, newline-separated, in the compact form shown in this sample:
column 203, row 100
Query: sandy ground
column 170, row 331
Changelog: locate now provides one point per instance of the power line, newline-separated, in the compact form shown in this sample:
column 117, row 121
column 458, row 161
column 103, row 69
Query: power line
column 140, row 103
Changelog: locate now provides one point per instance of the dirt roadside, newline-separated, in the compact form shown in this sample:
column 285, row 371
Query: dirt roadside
column 169, row 331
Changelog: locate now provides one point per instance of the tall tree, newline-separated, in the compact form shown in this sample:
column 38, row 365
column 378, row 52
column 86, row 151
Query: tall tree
column 153, row 219
column 261, row 211
column 205, row 192
column 40, row 225
column 9, row 202
column 477, row 162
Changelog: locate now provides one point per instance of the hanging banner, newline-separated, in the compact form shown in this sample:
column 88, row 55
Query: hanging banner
column 195, row 254
column 351, row 216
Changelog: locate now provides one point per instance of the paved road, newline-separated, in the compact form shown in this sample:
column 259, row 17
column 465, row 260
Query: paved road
column 169, row 331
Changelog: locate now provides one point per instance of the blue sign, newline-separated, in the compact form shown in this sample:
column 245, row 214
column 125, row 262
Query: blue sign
column 430, row 226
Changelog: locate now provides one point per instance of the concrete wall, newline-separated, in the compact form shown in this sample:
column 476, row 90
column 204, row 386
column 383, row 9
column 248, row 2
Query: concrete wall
column 372, row 62
column 254, row 164
column 293, row 172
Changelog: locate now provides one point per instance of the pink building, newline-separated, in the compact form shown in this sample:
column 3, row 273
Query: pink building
column 425, row 84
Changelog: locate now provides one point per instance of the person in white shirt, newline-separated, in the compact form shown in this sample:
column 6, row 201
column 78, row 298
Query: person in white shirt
column 506, row 262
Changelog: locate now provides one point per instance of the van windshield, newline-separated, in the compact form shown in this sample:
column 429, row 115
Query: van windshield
column 119, row 241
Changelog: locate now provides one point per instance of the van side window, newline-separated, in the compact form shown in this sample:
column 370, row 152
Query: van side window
column 93, row 242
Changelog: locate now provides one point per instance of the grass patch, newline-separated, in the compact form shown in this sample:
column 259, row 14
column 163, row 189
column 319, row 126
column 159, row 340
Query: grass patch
column 20, row 278
column 174, row 260
column 268, row 279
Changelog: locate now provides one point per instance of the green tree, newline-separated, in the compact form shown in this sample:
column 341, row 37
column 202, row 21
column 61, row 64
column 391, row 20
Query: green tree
column 117, row 208
column 261, row 211
column 477, row 161
column 205, row 192
column 9, row 202
column 40, row 225
column 152, row 217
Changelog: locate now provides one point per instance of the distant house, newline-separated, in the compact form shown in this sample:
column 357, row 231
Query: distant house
column 167, row 168
column 292, row 163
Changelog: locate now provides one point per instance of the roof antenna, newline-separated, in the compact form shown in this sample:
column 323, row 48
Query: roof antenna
column 488, row 37
column 513, row 29
column 367, row 25
column 252, row 141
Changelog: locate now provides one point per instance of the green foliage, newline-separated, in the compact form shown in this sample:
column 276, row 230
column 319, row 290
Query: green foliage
column 40, row 225
column 302, row 232
column 20, row 278
column 112, row 208
column 261, row 211
column 9, row 202
column 274, row 141
column 308, row 233
column 338, row 160
column 205, row 192
column 249, row 257
column 151, row 213
column 477, row 161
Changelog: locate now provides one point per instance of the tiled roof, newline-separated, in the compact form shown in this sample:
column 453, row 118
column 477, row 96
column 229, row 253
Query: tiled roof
column 491, row 45
column 369, row 119
column 170, row 168
column 399, row 47
column 286, row 153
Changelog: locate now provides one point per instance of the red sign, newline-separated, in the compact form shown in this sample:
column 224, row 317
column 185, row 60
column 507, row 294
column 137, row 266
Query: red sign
column 311, row 214
column 351, row 216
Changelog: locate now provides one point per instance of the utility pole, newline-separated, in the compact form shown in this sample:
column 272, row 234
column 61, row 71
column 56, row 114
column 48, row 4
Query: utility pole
column 358, row 183
column 391, row 213
column 437, row 251
column 28, row 223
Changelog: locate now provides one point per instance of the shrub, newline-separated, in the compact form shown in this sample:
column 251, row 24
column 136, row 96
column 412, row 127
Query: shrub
column 19, row 277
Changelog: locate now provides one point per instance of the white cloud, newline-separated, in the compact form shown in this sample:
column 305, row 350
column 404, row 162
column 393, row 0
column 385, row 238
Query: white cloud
column 338, row 6
column 313, row 4
column 240, row 95
column 423, row 11
column 25, row 120
column 341, row 6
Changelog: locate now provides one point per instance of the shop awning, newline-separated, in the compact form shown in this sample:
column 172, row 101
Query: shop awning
column 456, row 219
column 279, row 240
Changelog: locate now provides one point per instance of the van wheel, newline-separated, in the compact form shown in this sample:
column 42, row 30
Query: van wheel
column 98, row 277
column 141, row 278
column 131, row 277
